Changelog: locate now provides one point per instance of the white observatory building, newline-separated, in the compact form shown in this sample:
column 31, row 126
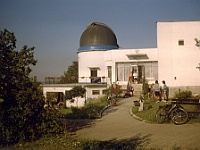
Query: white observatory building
column 176, row 59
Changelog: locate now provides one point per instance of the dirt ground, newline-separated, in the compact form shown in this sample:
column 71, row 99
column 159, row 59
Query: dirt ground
column 119, row 124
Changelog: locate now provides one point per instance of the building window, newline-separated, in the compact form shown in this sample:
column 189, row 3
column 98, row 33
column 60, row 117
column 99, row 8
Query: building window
column 123, row 71
column 150, row 70
column 93, row 75
column 109, row 71
column 93, row 72
column 95, row 92
column 181, row 42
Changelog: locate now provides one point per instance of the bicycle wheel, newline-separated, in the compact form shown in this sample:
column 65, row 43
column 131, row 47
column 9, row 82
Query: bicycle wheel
column 161, row 115
column 179, row 116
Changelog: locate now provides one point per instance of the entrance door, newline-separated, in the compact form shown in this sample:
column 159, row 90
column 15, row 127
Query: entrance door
column 109, row 68
column 93, row 76
column 138, row 73
column 141, row 74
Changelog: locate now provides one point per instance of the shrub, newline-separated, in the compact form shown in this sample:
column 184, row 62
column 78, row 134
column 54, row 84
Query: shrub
column 91, row 110
column 114, row 90
column 75, row 92
column 22, row 113
column 145, row 88
column 182, row 94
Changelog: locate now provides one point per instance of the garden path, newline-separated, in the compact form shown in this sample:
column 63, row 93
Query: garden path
column 119, row 124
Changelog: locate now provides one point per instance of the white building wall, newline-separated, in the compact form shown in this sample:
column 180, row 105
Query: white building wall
column 177, row 64
column 78, row 102
column 55, row 88
column 89, row 91
column 87, row 60
column 102, row 59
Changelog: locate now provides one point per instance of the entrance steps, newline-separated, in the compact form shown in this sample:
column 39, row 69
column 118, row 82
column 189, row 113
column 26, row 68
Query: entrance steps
column 137, row 88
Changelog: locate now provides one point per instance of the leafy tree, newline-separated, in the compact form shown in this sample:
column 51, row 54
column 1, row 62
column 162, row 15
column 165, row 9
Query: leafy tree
column 76, row 91
column 71, row 75
column 22, row 115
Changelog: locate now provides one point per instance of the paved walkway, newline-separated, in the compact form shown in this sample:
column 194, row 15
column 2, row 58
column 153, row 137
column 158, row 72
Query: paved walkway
column 119, row 124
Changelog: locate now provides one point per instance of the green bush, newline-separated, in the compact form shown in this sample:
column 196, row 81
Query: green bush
column 27, row 120
column 84, row 113
column 182, row 94
column 91, row 110
column 71, row 143
column 108, row 145
column 145, row 88
column 114, row 90
column 22, row 113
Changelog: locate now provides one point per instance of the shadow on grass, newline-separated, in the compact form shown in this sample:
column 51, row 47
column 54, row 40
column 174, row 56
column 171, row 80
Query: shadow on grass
column 125, row 144
column 68, row 142
column 72, row 125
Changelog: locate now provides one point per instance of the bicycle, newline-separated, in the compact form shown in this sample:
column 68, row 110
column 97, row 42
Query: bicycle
column 177, row 114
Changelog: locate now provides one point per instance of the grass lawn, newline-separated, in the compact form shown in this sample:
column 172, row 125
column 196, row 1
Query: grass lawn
column 67, row 142
column 150, row 108
column 65, row 111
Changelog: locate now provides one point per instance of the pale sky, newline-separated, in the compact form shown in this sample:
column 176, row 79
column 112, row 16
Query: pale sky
column 54, row 27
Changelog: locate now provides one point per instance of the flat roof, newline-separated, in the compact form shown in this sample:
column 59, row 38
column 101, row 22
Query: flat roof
column 75, row 84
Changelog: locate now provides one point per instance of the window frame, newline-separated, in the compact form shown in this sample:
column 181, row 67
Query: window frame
column 95, row 92
column 181, row 43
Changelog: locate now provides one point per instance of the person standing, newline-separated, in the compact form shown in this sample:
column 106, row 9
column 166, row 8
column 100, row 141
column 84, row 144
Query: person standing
column 131, row 78
column 165, row 91
column 156, row 90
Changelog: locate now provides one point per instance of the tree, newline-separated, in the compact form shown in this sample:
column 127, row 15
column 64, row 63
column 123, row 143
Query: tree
column 71, row 75
column 75, row 92
column 22, row 115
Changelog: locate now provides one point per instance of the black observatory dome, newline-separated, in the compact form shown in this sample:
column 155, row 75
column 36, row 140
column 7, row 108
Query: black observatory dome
column 98, row 36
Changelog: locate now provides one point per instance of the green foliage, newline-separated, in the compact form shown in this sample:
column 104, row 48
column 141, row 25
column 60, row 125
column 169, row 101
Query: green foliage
column 182, row 94
column 65, row 110
column 92, row 109
column 108, row 145
column 76, row 91
column 70, row 143
column 114, row 90
column 151, row 107
column 149, row 111
column 145, row 88
column 50, row 142
column 22, row 115
column 79, row 113
column 71, row 75
column 100, row 101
